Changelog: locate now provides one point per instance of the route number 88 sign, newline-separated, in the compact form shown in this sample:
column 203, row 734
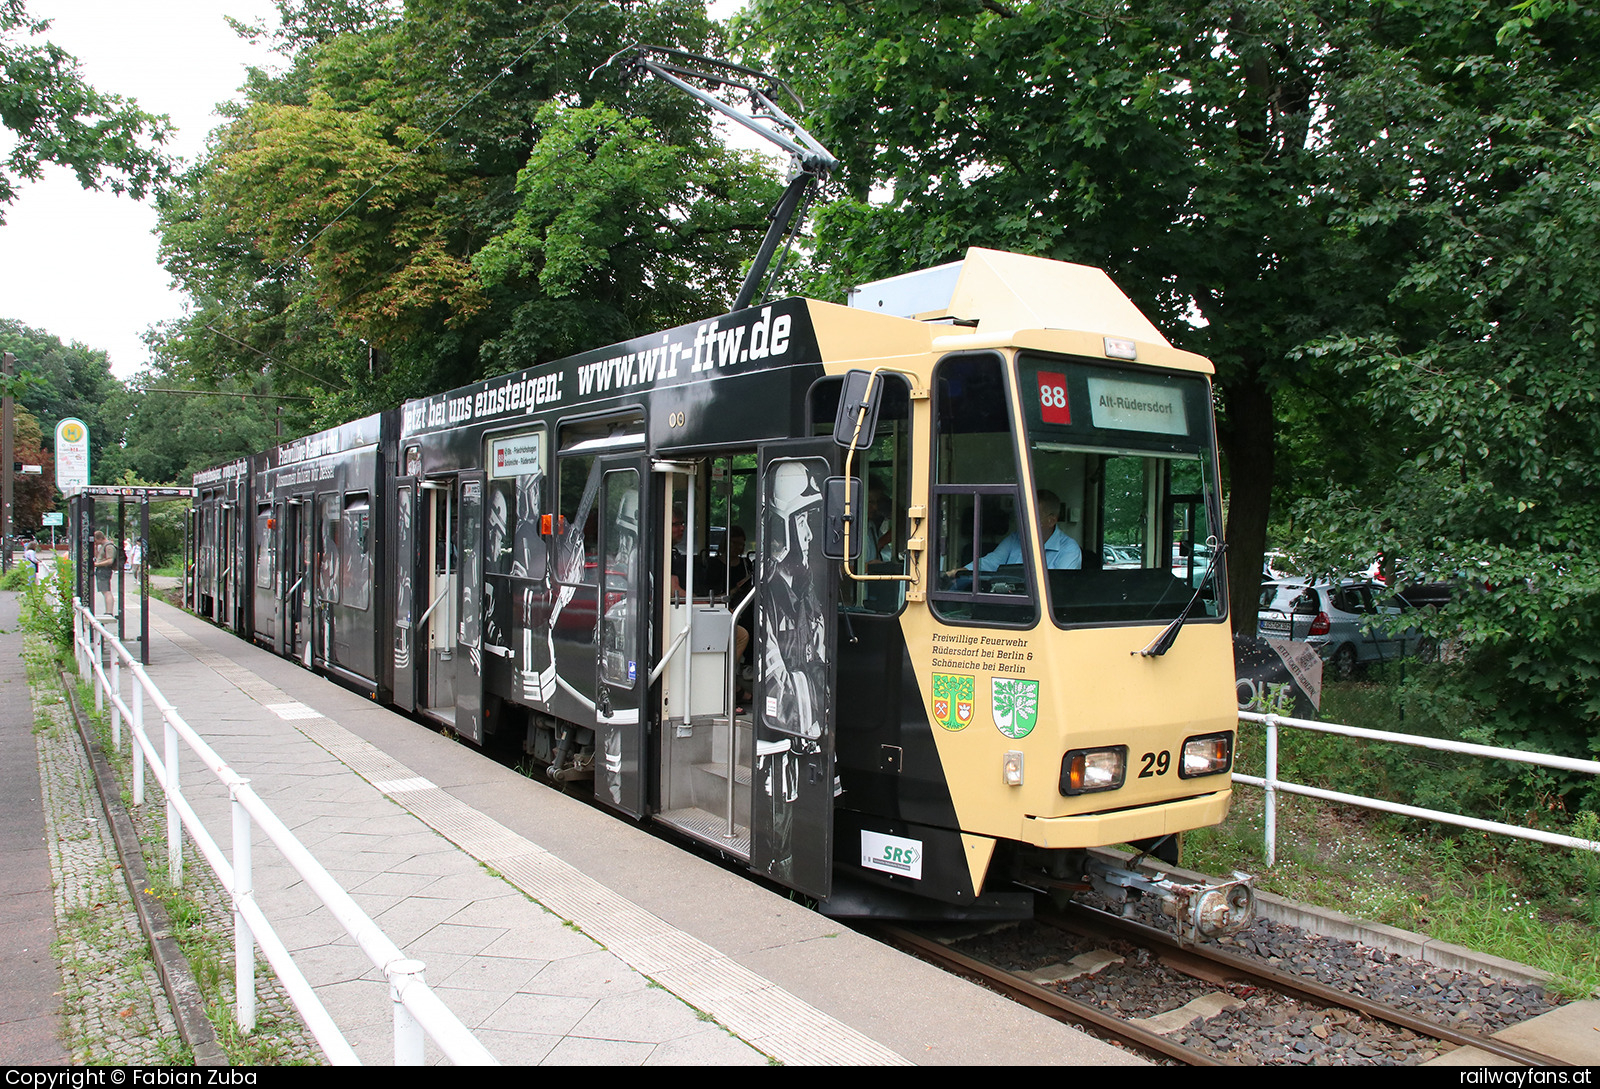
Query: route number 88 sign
column 1053, row 407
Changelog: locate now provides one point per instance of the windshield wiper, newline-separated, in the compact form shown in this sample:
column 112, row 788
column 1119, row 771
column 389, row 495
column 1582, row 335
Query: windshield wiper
column 1163, row 642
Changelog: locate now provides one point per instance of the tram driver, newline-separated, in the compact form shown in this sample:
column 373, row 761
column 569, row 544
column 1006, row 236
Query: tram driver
column 1061, row 552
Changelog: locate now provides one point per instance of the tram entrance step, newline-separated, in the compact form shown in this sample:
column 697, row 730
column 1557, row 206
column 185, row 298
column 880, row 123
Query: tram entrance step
column 709, row 828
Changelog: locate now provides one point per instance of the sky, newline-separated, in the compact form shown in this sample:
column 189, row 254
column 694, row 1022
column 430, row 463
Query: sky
column 83, row 265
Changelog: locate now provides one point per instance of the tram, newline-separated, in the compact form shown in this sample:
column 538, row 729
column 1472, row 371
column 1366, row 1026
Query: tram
column 980, row 627
column 905, row 603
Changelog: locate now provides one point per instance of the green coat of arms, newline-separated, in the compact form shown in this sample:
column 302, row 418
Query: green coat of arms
column 1015, row 704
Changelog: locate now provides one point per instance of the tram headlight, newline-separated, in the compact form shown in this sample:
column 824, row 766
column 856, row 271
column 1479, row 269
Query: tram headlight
column 1085, row 771
column 1209, row 754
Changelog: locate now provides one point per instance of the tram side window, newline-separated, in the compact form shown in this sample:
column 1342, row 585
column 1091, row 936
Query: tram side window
column 618, row 665
column 355, row 539
column 885, row 471
column 516, row 484
column 579, row 532
column 980, row 531
column 578, row 487
column 208, row 546
column 328, row 555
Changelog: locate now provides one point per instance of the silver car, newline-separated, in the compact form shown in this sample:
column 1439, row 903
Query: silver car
column 1349, row 623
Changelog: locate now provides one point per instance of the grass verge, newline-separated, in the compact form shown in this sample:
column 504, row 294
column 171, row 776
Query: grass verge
column 1525, row 901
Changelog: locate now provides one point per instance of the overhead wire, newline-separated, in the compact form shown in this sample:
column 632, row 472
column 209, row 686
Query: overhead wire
column 270, row 359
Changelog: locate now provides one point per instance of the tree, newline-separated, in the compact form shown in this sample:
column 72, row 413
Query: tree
column 173, row 427
column 622, row 231
column 1489, row 376
column 33, row 495
column 54, row 116
column 1181, row 147
column 65, row 380
column 395, row 214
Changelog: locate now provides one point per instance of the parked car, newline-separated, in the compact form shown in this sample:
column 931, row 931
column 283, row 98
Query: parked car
column 1349, row 623
column 1427, row 595
column 1183, row 568
column 1120, row 556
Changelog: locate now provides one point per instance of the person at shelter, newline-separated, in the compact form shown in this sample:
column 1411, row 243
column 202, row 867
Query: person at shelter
column 105, row 561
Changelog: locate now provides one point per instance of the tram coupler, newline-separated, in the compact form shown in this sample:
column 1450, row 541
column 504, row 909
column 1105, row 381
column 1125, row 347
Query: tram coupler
column 1203, row 912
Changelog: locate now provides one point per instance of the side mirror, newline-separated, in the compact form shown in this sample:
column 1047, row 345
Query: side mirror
column 854, row 405
column 836, row 492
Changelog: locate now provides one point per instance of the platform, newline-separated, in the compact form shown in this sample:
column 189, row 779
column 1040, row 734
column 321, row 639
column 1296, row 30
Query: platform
column 560, row 934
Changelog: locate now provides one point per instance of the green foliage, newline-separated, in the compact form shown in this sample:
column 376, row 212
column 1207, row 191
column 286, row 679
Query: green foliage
column 169, row 435
column 622, row 231
column 395, row 215
column 53, row 116
column 32, row 494
column 1195, row 151
column 67, row 380
column 47, row 606
column 1486, row 376
column 167, row 525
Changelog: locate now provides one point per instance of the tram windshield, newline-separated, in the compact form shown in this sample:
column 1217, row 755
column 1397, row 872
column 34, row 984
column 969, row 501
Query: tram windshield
column 1124, row 494
column 1129, row 454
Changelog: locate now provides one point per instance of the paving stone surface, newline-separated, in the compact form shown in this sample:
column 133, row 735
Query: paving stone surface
column 112, row 1006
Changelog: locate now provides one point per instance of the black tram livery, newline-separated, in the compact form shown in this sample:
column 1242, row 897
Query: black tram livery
column 978, row 627
column 316, row 553
column 218, row 539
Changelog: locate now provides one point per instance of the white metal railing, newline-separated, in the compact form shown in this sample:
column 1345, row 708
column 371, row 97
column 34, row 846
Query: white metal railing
column 1272, row 784
column 417, row 1010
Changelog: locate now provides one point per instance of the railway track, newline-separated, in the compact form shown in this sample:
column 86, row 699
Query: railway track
column 1349, row 1028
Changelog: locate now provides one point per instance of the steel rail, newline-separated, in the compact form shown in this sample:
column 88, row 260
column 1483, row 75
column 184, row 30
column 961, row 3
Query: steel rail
column 1089, row 922
column 1050, row 1003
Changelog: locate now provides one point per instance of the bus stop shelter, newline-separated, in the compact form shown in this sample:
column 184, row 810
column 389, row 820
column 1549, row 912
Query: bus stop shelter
column 83, row 504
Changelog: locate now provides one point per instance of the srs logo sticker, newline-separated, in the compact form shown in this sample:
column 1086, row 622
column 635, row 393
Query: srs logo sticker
column 891, row 854
column 953, row 697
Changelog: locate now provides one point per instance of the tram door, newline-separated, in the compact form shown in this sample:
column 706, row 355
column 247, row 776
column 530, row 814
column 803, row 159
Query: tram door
column 473, row 488
column 276, row 528
column 791, row 810
column 436, row 627
column 191, row 548
column 222, row 605
column 405, row 552
column 240, row 586
column 325, row 557
column 293, row 579
column 305, row 576
column 621, row 651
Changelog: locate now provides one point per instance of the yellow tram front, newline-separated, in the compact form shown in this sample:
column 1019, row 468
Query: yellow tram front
column 1068, row 622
